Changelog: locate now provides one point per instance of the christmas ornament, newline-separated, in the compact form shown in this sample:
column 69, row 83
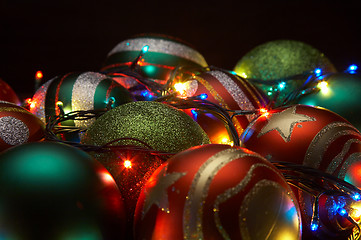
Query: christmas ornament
column 54, row 191
column 7, row 93
column 280, row 67
column 155, row 55
column 74, row 92
column 339, row 93
column 162, row 127
column 215, row 128
column 217, row 192
column 310, row 136
column 18, row 126
column 229, row 91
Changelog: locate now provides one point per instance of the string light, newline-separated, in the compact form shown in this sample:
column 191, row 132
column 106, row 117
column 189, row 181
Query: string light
column 264, row 112
column 127, row 164
column 352, row 69
column 281, row 85
column 39, row 75
column 318, row 72
column 323, row 86
column 203, row 96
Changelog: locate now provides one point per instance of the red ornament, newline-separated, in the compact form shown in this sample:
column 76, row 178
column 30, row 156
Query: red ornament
column 18, row 126
column 217, row 192
column 7, row 93
column 310, row 136
column 230, row 92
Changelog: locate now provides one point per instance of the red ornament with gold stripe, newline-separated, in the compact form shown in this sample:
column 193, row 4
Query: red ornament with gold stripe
column 217, row 192
column 18, row 126
column 77, row 92
column 230, row 92
column 314, row 137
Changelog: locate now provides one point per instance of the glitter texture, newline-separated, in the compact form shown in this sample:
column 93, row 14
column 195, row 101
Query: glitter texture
column 164, row 128
column 160, row 46
column 83, row 94
column 280, row 59
column 193, row 209
column 13, row 131
column 322, row 141
column 39, row 100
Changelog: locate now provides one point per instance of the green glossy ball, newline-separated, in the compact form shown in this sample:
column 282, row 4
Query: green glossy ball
column 54, row 191
column 342, row 95
column 274, row 61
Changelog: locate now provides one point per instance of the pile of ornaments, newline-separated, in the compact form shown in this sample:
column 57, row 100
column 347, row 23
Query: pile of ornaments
column 181, row 171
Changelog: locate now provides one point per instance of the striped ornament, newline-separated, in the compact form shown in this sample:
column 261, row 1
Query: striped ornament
column 231, row 92
column 310, row 136
column 77, row 92
column 164, row 55
column 18, row 126
column 217, row 192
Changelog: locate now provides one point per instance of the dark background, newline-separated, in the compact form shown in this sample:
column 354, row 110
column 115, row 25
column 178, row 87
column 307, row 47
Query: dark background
column 58, row 37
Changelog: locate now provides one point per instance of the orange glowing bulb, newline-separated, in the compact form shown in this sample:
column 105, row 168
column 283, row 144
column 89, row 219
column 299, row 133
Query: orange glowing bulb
column 264, row 112
column 39, row 75
column 127, row 164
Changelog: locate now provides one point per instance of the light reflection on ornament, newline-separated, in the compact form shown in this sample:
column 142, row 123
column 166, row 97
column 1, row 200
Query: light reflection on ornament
column 187, row 89
column 264, row 112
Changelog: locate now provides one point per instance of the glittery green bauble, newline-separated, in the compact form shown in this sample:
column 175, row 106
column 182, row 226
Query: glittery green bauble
column 342, row 95
column 162, row 127
column 276, row 61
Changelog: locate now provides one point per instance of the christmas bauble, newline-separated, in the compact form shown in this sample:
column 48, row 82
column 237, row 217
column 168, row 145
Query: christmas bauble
column 276, row 64
column 54, row 191
column 217, row 192
column 310, row 136
column 77, row 92
column 162, row 127
column 7, row 93
column 229, row 91
column 18, row 126
column 340, row 93
column 163, row 55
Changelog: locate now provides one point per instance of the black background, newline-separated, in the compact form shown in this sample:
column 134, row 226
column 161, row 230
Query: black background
column 58, row 37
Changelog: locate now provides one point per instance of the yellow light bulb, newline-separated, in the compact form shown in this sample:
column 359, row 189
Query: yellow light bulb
column 127, row 164
column 323, row 86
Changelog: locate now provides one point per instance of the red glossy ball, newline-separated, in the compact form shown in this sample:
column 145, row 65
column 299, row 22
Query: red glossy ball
column 8, row 94
column 231, row 92
column 18, row 126
column 217, row 192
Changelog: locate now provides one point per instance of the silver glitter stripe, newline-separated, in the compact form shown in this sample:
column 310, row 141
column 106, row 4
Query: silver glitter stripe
column 355, row 157
column 83, row 92
column 13, row 131
column 192, row 223
column 235, row 91
column 39, row 100
column 160, row 46
column 322, row 141
column 229, row 193
column 336, row 161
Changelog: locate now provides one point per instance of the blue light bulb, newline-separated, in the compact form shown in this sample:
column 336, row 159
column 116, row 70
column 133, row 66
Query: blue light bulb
column 342, row 211
column 352, row 69
column 145, row 49
column 282, row 85
column 314, row 226
column 203, row 96
column 194, row 113
column 356, row 197
column 318, row 72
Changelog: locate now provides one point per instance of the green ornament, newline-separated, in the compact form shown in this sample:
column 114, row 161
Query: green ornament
column 162, row 127
column 163, row 54
column 55, row 191
column 340, row 93
column 273, row 66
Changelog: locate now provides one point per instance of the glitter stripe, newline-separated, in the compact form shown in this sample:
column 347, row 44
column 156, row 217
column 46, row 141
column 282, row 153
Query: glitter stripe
column 193, row 209
column 355, row 157
column 234, row 90
column 229, row 193
column 218, row 98
column 160, row 46
column 39, row 101
column 322, row 141
column 336, row 161
column 83, row 94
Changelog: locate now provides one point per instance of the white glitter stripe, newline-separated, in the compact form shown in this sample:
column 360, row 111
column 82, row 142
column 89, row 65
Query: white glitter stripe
column 234, row 90
column 160, row 46
column 83, row 92
column 39, row 101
